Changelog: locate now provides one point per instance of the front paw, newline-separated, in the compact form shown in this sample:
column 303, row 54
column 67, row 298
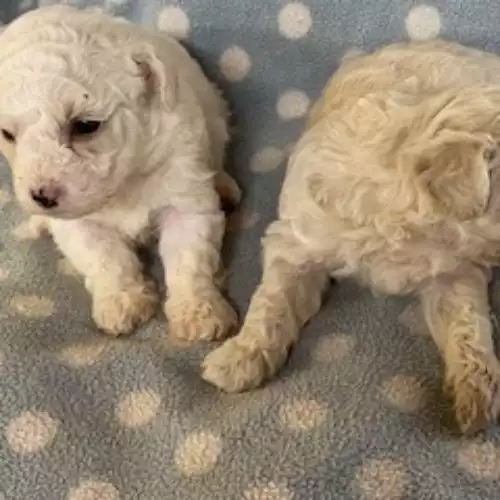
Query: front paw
column 207, row 316
column 475, row 386
column 235, row 367
column 238, row 366
column 120, row 311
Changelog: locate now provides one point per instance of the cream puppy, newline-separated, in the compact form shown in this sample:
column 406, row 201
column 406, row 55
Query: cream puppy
column 395, row 182
column 113, row 132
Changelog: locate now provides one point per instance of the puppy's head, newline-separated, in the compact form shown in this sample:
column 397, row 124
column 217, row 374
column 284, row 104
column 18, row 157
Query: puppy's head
column 447, row 152
column 75, row 113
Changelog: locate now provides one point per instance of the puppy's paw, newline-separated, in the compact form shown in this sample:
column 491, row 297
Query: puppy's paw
column 33, row 228
column 475, row 386
column 238, row 366
column 235, row 367
column 204, row 317
column 119, row 312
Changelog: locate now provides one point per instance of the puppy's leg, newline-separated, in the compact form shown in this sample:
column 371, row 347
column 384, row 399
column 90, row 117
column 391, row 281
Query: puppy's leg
column 122, row 298
column 190, row 249
column 457, row 312
column 289, row 294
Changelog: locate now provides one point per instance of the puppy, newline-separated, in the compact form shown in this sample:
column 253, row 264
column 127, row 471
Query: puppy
column 113, row 132
column 395, row 182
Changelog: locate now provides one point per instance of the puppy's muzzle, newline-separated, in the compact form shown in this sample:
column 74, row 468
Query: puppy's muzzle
column 47, row 196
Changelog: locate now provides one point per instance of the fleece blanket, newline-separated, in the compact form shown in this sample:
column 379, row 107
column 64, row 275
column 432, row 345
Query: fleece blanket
column 357, row 413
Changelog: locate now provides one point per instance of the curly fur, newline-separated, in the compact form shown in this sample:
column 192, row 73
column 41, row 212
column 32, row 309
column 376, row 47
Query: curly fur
column 395, row 182
column 154, row 165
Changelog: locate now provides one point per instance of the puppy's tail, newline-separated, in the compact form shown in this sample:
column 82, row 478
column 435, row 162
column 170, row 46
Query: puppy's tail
column 229, row 191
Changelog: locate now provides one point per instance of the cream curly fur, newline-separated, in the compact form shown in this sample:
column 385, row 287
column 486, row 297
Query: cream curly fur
column 155, row 165
column 395, row 182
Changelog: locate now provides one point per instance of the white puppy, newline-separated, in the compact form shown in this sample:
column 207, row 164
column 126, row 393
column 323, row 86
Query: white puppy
column 395, row 182
column 113, row 132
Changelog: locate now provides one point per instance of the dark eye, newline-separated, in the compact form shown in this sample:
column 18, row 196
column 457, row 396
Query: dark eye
column 84, row 127
column 9, row 137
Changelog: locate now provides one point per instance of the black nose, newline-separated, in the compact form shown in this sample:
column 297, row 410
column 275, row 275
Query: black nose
column 46, row 198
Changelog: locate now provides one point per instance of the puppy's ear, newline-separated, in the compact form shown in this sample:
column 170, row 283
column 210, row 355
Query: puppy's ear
column 454, row 175
column 160, row 80
column 448, row 151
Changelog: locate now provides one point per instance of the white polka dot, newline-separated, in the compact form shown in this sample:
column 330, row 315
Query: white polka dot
column 302, row 414
column 5, row 197
column 83, row 354
column 267, row 159
column 242, row 219
column 198, row 453
column 294, row 20
column 423, row 23
column 31, row 432
column 382, row 479
column 235, row 64
column 269, row 491
column 94, row 490
column 333, row 348
column 32, row 306
column 481, row 460
column 292, row 104
column 65, row 267
column 174, row 21
column 138, row 408
column 405, row 393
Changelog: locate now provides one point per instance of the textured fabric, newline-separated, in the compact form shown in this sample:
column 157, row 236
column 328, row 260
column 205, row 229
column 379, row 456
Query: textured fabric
column 357, row 412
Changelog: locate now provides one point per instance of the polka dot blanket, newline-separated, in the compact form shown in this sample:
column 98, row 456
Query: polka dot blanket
column 358, row 411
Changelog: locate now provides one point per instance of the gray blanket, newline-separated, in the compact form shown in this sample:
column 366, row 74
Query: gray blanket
column 357, row 413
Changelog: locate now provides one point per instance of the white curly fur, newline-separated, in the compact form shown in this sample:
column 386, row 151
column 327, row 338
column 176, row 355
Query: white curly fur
column 395, row 182
column 154, row 165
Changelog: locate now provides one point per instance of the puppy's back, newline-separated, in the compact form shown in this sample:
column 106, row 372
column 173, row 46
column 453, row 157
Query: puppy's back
column 414, row 68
